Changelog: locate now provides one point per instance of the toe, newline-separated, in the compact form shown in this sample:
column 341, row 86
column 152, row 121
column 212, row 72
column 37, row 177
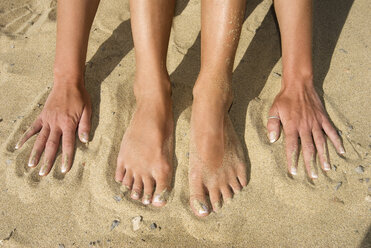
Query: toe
column 215, row 199
column 148, row 184
column 127, row 181
column 242, row 175
column 136, row 192
column 227, row 194
column 235, row 185
column 162, row 190
column 120, row 172
column 198, row 198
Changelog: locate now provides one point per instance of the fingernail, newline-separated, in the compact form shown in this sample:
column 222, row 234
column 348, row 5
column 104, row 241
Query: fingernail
column 314, row 175
column 64, row 165
column 341, row 150
column 200, row 207
column 135, row 195
column 293, row 170
column 146, row 199
column 85, row 137
column 32, row 160
column 272, row 136
column 326, row 166
column 16, row 146
column 43, row 169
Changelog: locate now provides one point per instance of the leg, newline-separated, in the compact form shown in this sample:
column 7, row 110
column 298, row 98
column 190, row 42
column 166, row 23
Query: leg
column 297, row 104
column 145, row 158
column 217, row 165
column 68, row 106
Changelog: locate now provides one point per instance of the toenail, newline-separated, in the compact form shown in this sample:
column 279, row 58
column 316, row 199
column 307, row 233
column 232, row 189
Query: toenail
column 162, row 197
column 200, row 207
column 146, row 199
column 314, row 175
column 135, row 195
column 43, row 169
column 124, row 189
column 217, row 206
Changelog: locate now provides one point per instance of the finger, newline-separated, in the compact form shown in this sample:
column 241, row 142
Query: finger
column 32, row 130
column 292, row 150
column 39, row 146
column 85, row 124
column 51, row 149
column 320, row 143
column 333, row 136
column 309, row 154
column 68, row 145
column 273, row 125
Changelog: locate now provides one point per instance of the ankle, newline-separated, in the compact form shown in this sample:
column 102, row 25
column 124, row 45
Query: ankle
column 155, row 87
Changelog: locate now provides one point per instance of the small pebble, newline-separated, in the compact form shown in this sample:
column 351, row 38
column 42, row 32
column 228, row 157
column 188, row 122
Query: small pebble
column 136, row 222
column 368, row 198
column 61, row 246
column 350, row 127
column 12, row 46
column 334, row 167
column 360, row 169
column 343, row 50
column 340, row 133
column 117, row 198
column 8, row 162
column 115, row 223
column 338, row 185
column 335, row 199
column 276, row 74
column 367, row 179
column 153, row 226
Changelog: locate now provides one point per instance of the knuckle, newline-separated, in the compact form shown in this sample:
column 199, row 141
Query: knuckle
column 308, row 146
column 52, row 143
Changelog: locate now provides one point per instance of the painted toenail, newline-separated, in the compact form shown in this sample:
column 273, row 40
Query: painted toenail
column 135, row 195
column 200, row 207
column 146, row 199
column 314, row 175
column 64, row 165
column 162, row 197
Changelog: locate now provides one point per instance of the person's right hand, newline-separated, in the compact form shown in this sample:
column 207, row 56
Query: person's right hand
column 67, row 108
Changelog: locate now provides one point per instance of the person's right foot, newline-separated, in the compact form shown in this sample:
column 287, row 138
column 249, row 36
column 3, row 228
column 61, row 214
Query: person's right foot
column 144, row 164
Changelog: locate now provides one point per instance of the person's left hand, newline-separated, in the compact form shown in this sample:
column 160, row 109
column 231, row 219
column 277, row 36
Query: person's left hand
column 299, row 109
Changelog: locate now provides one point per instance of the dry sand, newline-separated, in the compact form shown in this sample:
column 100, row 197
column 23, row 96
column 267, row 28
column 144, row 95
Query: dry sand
column 78, row 209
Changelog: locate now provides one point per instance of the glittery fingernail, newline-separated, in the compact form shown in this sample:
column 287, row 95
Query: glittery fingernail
column 84, row 137
column 272, row 136
column 32, row 160
column 293, row 170
column 43, row 169
column 65, row 164
column 341, row 150
column 326, row 166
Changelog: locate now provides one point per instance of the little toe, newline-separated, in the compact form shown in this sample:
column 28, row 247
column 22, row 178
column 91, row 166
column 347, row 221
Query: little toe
column 235, row 185
column 136, row 192
column 242, row 175
column 148, row 184
column 120, row 172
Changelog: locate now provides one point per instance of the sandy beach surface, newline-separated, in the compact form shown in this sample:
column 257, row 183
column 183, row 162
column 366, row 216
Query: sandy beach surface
column 85, row 208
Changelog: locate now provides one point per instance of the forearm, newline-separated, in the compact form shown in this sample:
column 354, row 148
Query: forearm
column 74, row 20
column 295, row 21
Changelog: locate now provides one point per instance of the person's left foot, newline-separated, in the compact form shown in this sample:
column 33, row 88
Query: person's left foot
column 217, row 164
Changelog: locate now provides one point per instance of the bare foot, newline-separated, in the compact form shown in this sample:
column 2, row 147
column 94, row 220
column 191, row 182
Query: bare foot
column 144, row 164
column 217, row 164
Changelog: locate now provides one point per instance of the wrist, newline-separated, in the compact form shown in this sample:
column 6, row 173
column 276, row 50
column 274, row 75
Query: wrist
column 65, row 76
column 297, row 81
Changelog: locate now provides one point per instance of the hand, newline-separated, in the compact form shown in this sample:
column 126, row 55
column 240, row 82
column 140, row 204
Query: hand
column 303, row 116
column 67, row 108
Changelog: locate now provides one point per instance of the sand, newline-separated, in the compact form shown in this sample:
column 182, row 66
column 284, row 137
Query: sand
column 85, row 207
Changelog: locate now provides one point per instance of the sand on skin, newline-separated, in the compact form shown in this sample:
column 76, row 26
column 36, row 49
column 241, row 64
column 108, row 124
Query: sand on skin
column 80, row 208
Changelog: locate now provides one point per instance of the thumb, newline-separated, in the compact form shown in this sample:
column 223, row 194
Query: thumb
column 273, row 125
column 85, row 124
